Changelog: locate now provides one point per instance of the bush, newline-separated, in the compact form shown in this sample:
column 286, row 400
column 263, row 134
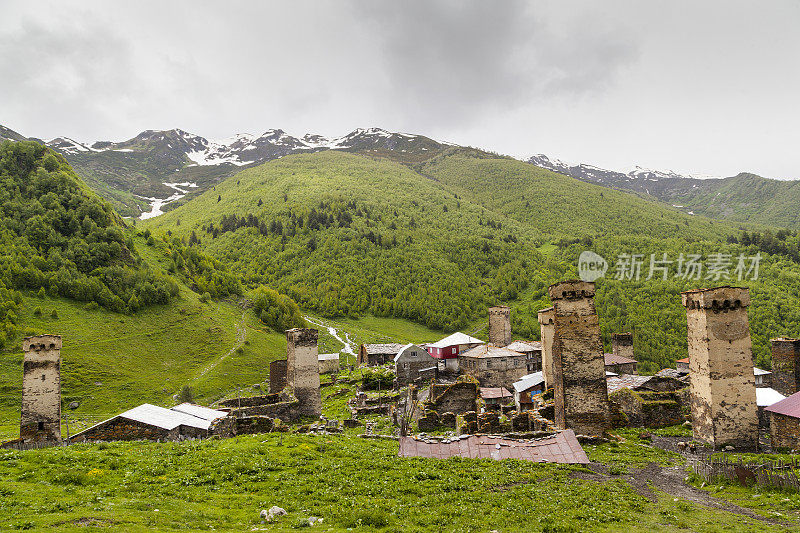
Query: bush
column 277, row 311
column 54, row 313
column 37, row 312
column 186, row 395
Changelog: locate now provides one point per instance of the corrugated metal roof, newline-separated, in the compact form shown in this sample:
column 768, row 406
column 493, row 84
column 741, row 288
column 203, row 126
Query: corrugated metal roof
column 612, row 359
column 789, row 406
column 328, row 357
column 407, row 346
column 562, row 448
column 625, row 381
column 531, row 380
column 455, row 339
column 490, row 393
column 199, row 411
column 759, row 372
column 164, row 418
column 766, row 396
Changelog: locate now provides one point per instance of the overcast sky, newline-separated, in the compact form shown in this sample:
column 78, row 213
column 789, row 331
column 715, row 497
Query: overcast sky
column 701, row 87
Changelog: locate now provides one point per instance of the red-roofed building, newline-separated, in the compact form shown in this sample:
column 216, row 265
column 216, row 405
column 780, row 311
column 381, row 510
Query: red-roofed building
column 682, row 365
column 785, row 422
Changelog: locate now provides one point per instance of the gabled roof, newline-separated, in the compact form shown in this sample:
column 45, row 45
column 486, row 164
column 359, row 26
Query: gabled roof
column 789, row 406
column 454, row 339
column 612, row 359
column 411, row 345
column 531, row 380
column 328, row 357
column 390, row 348
column 759, row 372
column 766, row 396
column 168, row 419
column 625, row 381
column 672, row 373
column 684, row 360
column 525, row 346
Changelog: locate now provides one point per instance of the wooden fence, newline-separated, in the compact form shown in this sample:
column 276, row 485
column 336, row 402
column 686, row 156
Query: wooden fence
column 776, row 474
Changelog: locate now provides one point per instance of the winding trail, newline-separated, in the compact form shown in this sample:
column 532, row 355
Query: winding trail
column 241, row 335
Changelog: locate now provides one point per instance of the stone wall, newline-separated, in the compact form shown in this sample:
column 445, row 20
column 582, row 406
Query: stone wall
column 722, row 385
column 230, row 426
column 457, row 398
column 277, row 375
column 500, row 325
column 41, row 389
column 284, row 406
column 122, row 429
column 547, row 328
column 302, row 369
column 579, row 375
column 648, row 409
column 786, row 365
column 784, row 431
column 622, row 345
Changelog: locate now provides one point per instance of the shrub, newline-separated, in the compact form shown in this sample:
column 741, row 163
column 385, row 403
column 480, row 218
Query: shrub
column 186, row 394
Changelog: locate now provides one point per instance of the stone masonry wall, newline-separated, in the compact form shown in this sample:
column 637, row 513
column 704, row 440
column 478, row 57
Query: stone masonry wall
column 547, row 328
column 277, row 375
column 579, row 378
column 302, row 369
column 786, row 365
column 455, row 398
column 500, row 325
column 41, row 389
column 784, row 431
column 622, row 345
column 722, row 385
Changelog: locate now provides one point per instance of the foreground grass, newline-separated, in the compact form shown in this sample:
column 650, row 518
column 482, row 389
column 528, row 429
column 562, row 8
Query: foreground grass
column 350, row 482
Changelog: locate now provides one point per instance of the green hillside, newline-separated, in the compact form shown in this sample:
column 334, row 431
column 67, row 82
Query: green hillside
column 344, row 235
column 437, row 243
column 556, row 205
column 749, row 198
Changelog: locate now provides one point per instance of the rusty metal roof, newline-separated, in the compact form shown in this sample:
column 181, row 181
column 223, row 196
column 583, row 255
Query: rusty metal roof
column 562, row 448
column 612, row 359
column 789, row 406
column 488, row 393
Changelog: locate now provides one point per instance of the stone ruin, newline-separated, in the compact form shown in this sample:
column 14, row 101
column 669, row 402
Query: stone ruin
column 722, row 385
column 579, row 376
column 547, row 328
column 786, row 365
column 500, row 325
column 41, row 389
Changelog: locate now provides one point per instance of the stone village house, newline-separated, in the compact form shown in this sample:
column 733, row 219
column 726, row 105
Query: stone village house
column 493, row 366
column 413, row 363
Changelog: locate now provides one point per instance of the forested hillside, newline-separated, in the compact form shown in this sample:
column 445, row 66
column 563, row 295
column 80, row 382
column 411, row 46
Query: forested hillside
column 439, row 242
column 58, row 237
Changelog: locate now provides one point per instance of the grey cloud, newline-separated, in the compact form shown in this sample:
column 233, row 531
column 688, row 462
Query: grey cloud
column 454, row 61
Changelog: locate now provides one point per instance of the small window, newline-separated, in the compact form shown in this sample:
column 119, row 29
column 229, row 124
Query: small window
column 41, row 426
column 43, row 377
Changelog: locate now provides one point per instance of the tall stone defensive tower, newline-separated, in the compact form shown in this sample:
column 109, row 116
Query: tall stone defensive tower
column 500, row 325
column 302, row 369
column 547, row 329
column 622, row 344
column 722, row 385
column 579, row 374
column 41, row 389
column 786, row 365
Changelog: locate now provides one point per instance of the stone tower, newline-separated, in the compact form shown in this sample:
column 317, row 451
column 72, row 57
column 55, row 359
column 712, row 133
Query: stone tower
column 722, row 385
column 546, row 326
column 786, row 365
column 302, row 369
column 41, row 389
column 622, row 344
column 500, row 325
column 579, row 372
